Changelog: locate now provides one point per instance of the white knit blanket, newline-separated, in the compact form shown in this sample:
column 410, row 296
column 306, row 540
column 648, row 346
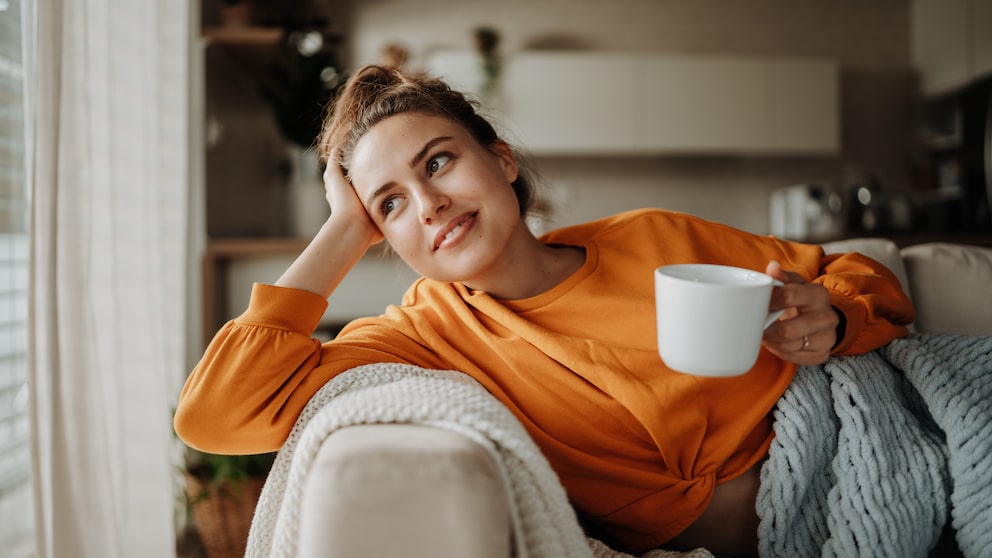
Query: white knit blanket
column 872, row 454
column 544, row 523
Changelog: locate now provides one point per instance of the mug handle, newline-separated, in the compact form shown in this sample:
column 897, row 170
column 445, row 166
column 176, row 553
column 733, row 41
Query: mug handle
column 772, row 316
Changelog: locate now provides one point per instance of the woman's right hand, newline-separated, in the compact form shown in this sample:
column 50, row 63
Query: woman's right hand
column 339, row 244
column 344, row 201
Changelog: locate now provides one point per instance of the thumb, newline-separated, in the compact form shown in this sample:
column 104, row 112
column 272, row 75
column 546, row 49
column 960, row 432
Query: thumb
column 777, row 272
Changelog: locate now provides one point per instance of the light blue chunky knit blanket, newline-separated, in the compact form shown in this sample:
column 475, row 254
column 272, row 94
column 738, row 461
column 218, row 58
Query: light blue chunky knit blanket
column 874, row 454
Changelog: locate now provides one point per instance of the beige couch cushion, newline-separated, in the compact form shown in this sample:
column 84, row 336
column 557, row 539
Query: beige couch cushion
column 951, row 286
column 403, row 490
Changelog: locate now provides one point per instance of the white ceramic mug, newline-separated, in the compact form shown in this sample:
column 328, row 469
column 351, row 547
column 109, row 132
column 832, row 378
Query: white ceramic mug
column 711, row 317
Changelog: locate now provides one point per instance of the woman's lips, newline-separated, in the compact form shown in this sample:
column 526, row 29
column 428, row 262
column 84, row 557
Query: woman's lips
column 455, row 230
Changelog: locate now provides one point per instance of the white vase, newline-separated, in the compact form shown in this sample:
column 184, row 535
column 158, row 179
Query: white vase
column 307, row 200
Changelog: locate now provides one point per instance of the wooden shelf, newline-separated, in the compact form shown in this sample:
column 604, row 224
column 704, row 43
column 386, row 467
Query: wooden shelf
column 227, row 247
column 266, row 246
column 243, row 36
column 220, row 252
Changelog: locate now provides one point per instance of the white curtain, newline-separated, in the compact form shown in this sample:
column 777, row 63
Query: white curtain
column 107, row 118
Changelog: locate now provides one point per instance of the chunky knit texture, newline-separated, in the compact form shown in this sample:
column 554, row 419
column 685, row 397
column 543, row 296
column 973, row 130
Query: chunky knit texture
column 873, row 453
column 544, row 523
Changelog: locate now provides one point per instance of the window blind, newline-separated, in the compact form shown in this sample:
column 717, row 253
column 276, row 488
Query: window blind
column 16, row 528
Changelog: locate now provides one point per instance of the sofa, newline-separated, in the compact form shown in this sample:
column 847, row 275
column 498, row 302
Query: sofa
column 417, row 491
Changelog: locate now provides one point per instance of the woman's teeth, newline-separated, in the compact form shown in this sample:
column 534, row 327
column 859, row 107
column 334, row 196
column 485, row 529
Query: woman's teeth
column 452, row 232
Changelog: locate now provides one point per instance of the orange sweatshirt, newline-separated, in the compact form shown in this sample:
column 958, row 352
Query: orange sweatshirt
column 639, row 448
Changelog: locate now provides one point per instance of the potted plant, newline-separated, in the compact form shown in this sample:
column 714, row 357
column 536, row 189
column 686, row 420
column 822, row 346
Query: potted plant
column 221, row 493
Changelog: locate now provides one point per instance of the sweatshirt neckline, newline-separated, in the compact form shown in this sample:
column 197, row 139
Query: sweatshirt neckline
column 552, row 294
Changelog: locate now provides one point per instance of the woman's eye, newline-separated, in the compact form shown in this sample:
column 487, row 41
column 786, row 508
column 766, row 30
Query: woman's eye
column 436, row 162
column 389, row 205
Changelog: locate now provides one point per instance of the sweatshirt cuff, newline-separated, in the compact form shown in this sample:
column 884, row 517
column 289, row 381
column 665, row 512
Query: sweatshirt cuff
column 853, row 318
column 283, row 308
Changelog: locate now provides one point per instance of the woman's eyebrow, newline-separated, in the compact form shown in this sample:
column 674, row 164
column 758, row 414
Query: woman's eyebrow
column 379, row 190
column 427, row 147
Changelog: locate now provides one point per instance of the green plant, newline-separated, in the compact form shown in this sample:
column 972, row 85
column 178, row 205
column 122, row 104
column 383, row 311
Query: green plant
column 224, row 474
column 221, row 492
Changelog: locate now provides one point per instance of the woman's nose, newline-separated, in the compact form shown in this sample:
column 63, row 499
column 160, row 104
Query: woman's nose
column 432, row 202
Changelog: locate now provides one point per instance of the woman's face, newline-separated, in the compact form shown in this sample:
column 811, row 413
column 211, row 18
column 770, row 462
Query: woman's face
column 443, row 201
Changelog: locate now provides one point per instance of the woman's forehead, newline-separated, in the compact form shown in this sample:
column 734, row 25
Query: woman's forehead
column 399, row 126
column 400, row 137
column 393, row 145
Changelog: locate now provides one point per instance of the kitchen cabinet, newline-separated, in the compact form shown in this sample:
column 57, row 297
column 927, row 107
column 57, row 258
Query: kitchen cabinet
column 571, row 104
column 603, row 103
column 981, row 37
column 693, row 104
column 704, row 104
column 951, row 42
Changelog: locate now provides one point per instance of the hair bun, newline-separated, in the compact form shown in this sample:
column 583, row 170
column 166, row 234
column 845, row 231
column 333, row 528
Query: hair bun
column 377, row 75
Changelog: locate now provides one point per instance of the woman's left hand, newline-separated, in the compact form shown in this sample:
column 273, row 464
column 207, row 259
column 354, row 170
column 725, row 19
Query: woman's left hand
column 807, row 330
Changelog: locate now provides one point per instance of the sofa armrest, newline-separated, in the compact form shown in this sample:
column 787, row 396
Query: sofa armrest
column 952, row 287
column 404, row 490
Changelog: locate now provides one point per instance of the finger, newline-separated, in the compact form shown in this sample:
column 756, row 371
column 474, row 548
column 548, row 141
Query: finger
column 790, row 293
column 337, row 187
column 333, row 171
column 801, row 296
column 808, row 322
column 776, row 270
column 807, row 349
column 807, row 339
column 343, row 198
column 806, row 331
column 812, row 355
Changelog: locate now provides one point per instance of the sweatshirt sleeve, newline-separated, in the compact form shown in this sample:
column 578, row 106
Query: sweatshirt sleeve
column 868, row 294
column 257, row 367
column 263, row 367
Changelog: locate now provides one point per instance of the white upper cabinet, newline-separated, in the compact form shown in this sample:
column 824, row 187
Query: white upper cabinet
column 575, row 103
column 951, row 42
column 940, row 43
column 571, row 104
column 981, row 33
column 700, row 105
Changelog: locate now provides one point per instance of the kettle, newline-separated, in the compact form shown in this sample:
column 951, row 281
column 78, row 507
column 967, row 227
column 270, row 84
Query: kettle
column 807, row 213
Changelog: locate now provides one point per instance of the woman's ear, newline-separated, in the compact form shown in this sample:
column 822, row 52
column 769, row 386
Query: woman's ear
column 507, row 160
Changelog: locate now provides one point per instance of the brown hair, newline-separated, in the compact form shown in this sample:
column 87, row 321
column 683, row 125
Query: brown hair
column 374, row 93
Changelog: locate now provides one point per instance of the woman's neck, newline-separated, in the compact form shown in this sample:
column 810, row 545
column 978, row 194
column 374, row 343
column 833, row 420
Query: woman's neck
column 530, row 267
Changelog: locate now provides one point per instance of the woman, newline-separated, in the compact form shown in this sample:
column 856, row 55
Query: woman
column 559, row 328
